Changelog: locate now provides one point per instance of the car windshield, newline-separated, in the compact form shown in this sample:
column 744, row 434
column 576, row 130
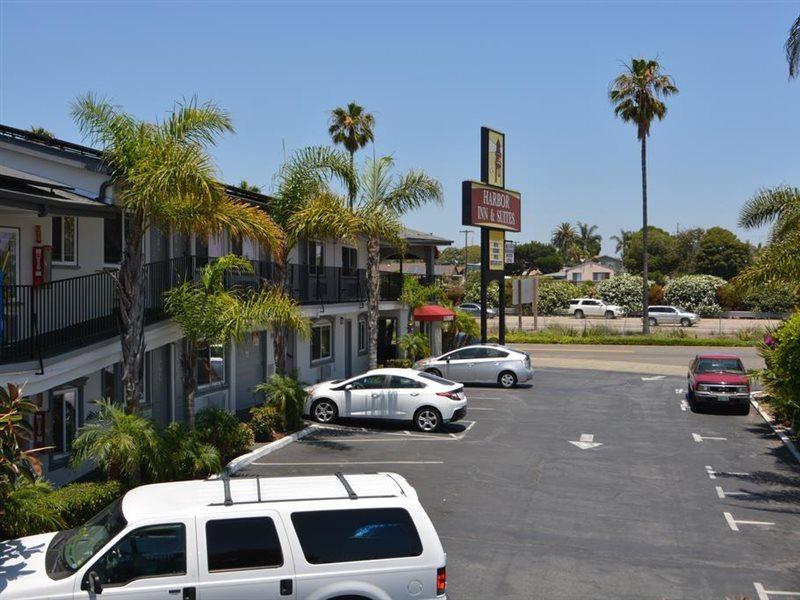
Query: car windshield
column 71, row 549
column 720, row 365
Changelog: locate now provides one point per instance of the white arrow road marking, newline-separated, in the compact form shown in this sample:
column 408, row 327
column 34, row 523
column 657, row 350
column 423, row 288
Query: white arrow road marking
column 734, row 523
column 586, row 442
column 680, row 391
column 764, row 594
column 699, row 438
column 654, row 378
column 721, row 493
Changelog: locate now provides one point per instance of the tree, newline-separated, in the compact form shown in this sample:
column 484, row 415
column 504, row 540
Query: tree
column 163, row 177
column 589, row 240
column 563, row 237
column 721, row 253
column 249, row 187
column 687, row 245
column 535, row 255
column 622, row 242
column 793, row 49
column 662, row 255
column 42, row 132
column 779, row 261
column 636, row 96
column 455, row 255
column 352, row 128
column 382, row 199
column 300, row 180
column 210, row 314
column 287, row 395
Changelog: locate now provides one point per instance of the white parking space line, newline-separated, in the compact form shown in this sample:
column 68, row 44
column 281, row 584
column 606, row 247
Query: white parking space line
column 479, row 408
column 350, row 462
column 734, row 523
column 722, row 493
column 389, row 436
column 684, row 405
column 463, row 433
column 764, row 594
column 654, row 378
column 712, row 474
column 680, row 391
column 699, row 438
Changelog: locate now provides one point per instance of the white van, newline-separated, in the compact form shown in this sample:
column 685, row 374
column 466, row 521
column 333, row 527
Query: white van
column 332, row 537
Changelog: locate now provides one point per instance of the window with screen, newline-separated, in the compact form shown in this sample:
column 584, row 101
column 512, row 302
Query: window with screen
column 235, row 544
column 321, row 334
column 65, row 240
column 337, row 536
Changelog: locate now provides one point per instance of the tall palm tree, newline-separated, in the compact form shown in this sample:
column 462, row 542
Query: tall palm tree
column 636, row 96
column 210, row 313
column 589, row 240
column 352, row 128
column 563, row 237
column 249, row 187
column 622, row 241
column 163, row 177
column 382, row 199
column 779, row 260
column 304, row 177
column 793, row 49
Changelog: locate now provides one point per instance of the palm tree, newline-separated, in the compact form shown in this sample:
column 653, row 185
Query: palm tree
column 383, row 199
column 636, row 96
column 210, row 314
column 589, row 240
column 563, row 237
column 42, row 132
column 779, row 260
column 793, row 49
column 287, row 395
column 622, row 240
column 301, row 179
column 248, row 187
column 163, row 177
column 352, row 128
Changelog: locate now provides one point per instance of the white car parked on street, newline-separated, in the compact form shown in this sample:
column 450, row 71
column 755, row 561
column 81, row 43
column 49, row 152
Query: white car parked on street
column 426, row 400
column 303, row 538
column 581, row 308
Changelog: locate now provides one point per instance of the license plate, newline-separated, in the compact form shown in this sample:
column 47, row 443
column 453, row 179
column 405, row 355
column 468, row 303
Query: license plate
column 723, row 398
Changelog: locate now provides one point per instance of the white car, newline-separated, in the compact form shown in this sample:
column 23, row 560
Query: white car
column 581, row 308
column 306, row 538
column 428, row 401
column 474, row 309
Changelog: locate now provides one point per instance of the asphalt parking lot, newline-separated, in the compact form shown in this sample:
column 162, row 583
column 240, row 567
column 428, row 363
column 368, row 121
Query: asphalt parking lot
column 589, row 484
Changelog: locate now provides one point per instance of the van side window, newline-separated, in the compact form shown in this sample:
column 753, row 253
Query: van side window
column 250, row 543
column 154, row 551
column 336, row 536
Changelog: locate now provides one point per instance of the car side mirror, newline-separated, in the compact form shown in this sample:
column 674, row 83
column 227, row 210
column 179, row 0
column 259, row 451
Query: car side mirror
column 92, row 583
column 348, row 387
column 447, row 360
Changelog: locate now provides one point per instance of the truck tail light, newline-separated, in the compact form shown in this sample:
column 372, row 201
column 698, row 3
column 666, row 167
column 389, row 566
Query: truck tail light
column 441, row 581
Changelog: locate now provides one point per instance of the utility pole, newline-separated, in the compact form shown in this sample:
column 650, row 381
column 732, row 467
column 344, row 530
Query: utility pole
column 467, row 233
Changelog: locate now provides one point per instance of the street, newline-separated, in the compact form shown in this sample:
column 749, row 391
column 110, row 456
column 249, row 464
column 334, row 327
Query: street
column 588, row 484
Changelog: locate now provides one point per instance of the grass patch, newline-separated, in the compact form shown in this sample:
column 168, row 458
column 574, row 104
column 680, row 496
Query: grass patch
column 600, row 335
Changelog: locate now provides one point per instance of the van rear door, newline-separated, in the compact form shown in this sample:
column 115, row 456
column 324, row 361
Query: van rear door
column 244, row 555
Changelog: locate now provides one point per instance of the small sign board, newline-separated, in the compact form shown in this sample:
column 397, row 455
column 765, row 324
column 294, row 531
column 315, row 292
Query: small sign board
column 493, row 157
column 510, row 252
column 497, row 238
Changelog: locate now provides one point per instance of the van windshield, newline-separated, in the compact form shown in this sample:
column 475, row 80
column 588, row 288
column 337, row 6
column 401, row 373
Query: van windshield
column 70, row 549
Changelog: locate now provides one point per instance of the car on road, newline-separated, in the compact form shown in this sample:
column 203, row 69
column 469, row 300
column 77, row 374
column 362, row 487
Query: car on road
column 580, row 308
column 424, row 399
column 719, row 380
column 309, row 537
column 481, row 363
column 671, row 315
column 474, row 309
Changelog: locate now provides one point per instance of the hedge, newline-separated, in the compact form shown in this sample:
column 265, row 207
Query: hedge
column 696, row 293
column 624, row 291
column 78, row 502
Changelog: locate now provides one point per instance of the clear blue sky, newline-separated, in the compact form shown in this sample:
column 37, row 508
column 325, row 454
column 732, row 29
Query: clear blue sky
column 433, row 73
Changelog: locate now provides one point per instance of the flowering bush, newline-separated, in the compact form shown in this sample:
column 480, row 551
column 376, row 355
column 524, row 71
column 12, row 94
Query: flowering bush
column 781, row 378
column 624, row 291
column 771, row 298
column 696, row 293
column 554, row 295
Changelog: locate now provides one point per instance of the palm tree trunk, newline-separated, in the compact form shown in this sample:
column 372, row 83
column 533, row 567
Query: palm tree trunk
column 189, row 367
column 130, row 292
column 352, row 192
column 645, row 286
column 373, row 297
column 280, row 334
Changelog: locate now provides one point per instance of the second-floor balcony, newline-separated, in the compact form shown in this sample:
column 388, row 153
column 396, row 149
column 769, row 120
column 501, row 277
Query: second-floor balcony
column 40, row 321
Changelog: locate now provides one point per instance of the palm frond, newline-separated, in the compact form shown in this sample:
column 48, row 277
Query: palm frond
column 325, row 216
column 777, row 263
column 413, row 190
column 779, row 206
column 793, row 49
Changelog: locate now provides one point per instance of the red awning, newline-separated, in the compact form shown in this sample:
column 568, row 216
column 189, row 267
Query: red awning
column 433, row 312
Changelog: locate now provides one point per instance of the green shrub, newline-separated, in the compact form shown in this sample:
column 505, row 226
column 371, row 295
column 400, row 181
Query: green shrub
column 623, row 290
column 472, row 290
column 776, row 298
column 696, row 293
column 223, row 430
column 29, row 510
column 399, row 363
column 186, row 455
column 287, row 394
column 265, row 421
column 585, row 289
column 414, row 346
column 781, row 377
column 79, row 502
column 554, row 295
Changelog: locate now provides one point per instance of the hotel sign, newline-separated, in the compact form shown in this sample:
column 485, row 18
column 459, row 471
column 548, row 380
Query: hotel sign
column 487, row 206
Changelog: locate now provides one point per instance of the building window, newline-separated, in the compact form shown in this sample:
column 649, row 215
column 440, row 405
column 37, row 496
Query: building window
column 113, row 239
column 362, row 335
column 321, row 336
column 316, row 257
column 349, row 260
column 9, row 254
column 211, row 365
column 599, row 276
column 65, row 240
column 576, row 277
column 65, row 419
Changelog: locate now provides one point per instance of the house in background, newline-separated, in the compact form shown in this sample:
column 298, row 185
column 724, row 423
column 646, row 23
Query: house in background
column 612, row 262
column 587, row 271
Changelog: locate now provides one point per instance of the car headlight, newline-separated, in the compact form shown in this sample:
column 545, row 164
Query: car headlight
column 702, row 388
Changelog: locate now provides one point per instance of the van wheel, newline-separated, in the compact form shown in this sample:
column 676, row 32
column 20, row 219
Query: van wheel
column 686, row 323
column 652, row 322
column 507, row 379
column 579, row 314
column 427, row 419
column 324, row 411
column 436, row 372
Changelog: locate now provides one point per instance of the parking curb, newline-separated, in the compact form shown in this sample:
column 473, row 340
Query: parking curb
column 776, row 430
column 244, row 460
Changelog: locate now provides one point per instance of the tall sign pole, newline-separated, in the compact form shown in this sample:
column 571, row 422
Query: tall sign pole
column 489, row 205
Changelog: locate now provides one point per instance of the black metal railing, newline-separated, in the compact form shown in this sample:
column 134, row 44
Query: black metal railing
column 327, row 285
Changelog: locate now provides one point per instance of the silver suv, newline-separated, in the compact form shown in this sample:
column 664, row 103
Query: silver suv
column 487, row 363
column 671, row 315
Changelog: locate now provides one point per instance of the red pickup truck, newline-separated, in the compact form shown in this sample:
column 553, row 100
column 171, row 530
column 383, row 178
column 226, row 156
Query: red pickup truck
column 719, row 380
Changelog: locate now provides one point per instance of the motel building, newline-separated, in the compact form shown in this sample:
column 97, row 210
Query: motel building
column 60, row 234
